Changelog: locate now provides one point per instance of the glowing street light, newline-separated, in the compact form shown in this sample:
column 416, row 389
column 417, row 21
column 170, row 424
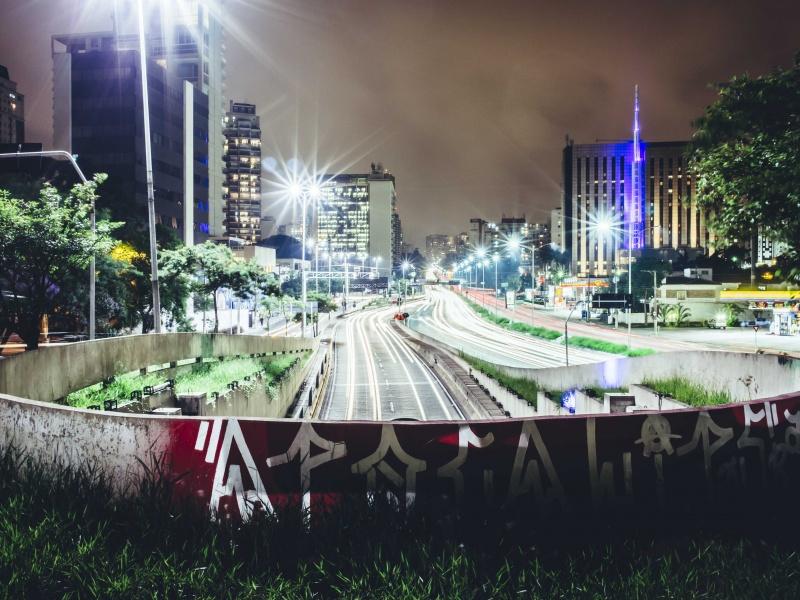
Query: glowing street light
column 303, row 192
column 405, row 267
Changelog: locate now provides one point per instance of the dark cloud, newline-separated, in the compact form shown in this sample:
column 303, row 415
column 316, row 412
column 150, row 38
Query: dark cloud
column 466, row 101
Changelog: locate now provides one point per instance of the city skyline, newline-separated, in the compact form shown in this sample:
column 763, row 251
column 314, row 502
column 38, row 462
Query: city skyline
column 488, row 105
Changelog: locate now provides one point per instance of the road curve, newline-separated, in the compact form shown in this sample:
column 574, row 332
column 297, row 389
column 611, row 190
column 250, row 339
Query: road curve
column 446, row 318
column 377, row 377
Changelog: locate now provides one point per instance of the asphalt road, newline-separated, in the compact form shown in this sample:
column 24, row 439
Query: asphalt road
column 376, row 376
column 640, row 338
column 447, row 318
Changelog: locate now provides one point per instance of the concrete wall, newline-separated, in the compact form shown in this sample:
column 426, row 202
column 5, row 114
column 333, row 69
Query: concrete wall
column 52, row 372
column 772, row 375
column 255, row 399
column 77, row 437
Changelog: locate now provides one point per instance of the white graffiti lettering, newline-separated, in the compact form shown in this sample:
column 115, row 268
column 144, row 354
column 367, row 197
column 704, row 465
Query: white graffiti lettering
column 247, row 500
column 452, row 470
column 301, row 447
column 527, row 475
column 375, row 463
column 704, row 427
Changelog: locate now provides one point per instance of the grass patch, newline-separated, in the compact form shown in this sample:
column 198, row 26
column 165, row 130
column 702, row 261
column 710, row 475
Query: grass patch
column 540, row 332
column 205, row 377
column 88, row 544
column 525, row 388
column 551, row 334
column 579, row 341
column 688, row 392
column 379, row 302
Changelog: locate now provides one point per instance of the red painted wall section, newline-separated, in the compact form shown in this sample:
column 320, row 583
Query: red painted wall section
column 676, row 460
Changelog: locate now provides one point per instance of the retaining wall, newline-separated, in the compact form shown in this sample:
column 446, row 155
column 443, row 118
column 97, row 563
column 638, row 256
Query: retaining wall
column 772, row 375
column 647, row 463
column 52, row 372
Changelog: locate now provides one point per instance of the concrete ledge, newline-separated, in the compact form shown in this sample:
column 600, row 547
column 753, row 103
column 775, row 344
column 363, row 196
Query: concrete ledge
column 720, row 371
column 51, row 373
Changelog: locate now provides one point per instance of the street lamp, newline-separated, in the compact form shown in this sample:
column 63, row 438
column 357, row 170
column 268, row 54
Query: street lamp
column 92, row 276
column 404, row 267
column 566, row 332
column 516, row 244
column 495, row 259
column 304, row 192
column 148, row 161
column 315, row 246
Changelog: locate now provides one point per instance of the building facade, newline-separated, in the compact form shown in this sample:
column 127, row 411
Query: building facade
column 479, row 234
column 98, row 116
column 556, row 227
column 627, row 194
column 356, row 215
column 12, row 110
column 437, row 247
column 187, row 39
column 242, row 186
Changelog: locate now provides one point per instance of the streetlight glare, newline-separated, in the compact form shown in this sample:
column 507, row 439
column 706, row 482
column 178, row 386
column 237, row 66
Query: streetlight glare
column 295, row 190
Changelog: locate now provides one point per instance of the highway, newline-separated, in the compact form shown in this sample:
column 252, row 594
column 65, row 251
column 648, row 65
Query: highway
column 447, row 318
column 640, row 338
column 377, row 376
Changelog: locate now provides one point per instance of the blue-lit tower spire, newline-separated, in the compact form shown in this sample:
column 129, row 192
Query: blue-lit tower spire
column 635, row 216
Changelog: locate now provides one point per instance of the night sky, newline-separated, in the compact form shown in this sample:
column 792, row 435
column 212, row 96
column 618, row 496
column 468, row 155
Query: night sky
column 466, row 102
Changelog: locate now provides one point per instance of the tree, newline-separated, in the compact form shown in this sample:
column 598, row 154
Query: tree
column 325, row 303
column 46, row 244
column 745, row 157
column 206, row 269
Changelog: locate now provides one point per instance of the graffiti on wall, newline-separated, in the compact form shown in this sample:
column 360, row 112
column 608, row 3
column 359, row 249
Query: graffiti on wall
column 553, row 465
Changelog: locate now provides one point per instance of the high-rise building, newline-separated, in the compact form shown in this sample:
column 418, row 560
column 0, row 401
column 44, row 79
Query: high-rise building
column 188, row 40
column 513, row 227
column 397, row 239
column 437, row 247
column 556, row 227
column 12, row 110
column 98, row 115
column 627, row 194
column 478, row 233
column 356, row 214
column 242, row 188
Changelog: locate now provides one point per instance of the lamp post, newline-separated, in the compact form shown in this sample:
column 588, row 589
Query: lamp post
column 655, row 300
column 328, row 256
column 92, row 276
column 148, row 160
column 566, row 332
column 495, row 259
column 516, row 244
column 303, row 192
column 404, row 267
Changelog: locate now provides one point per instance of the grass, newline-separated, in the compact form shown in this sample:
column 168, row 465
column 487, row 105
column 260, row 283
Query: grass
column 540, row 332
column 524, row 388
column 379, row 302
column 688, row 392
column 63, row 534
column 206, row 377
column 605, row 346
column 552, row 334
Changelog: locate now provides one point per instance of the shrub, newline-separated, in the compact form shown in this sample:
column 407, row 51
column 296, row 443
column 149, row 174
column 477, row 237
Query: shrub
column 605, row 346
column 688, row 392
column 526, row 389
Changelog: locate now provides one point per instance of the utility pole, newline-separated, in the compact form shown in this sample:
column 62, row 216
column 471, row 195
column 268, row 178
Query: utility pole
column 148, row 161
column 655, row 301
